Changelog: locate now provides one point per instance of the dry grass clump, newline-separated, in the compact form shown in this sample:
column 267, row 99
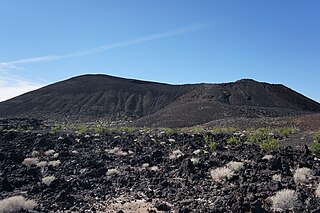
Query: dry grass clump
column 318, row 191
column 42, row 164
column 35, row 153
column 48, row 180
column 302, row 175
column 54, row 163
column 176, row 154
column 49, row 152
column 285, row 199
column 235, row 166
column 267, row 157
column 30, row 161
column 194, row 161
column 112, row 172
column 276, row 177
column 219, row 174
column 16, row 204
column 117, row 151
column 154, row 168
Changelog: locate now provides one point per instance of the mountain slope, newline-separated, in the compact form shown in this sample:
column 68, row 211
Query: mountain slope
column 102, row 97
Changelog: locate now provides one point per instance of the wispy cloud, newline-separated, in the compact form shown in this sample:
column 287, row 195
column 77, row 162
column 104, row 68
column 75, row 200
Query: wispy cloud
column 12, row 64
column 11, row 85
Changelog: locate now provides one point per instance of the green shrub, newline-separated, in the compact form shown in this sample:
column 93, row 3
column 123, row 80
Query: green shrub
column 271, row 144
column 168, row 131
column 259, row 135
column 233, row 140
column 99, row 129
column 127, row 129
column 55, row 129
column 209, row 140
column 285, row 132
column 82, row 129
column 315, row 145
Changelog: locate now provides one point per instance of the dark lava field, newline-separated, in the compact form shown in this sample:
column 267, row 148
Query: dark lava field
column 145, row 170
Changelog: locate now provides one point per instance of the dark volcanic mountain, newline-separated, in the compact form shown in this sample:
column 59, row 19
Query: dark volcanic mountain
column 102, row 97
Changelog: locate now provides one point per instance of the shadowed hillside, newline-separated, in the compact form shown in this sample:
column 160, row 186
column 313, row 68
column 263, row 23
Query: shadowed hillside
column 102, row 97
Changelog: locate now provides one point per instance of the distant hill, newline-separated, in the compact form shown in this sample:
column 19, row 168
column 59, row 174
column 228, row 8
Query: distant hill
column 102, row 97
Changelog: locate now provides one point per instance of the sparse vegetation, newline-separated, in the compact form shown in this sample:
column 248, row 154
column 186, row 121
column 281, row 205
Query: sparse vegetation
column 233, row 140
column 315, row 146
column 16, row 204
column 318, row 191
column 209, row 140
column 285, row 132
column 112, row 172
column 48, row 180
column 301, row 175
column 235, row 166
column 55, row 129
column 266, row 140
column 30, row 161
column 222, row 173
column 271, row 144
column 284, row 200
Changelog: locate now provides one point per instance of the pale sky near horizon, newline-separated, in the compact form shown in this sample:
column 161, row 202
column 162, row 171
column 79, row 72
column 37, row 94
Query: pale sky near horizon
column 169, row 41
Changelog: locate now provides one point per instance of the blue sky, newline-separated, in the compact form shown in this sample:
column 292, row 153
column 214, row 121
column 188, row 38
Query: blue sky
column 170, row 41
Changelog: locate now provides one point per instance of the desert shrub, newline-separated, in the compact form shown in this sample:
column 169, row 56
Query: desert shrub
column 259, row 135
column 176, row 154
column 35, row 153
column 145, row 165
column 112, row 172
column 209, row 140
column 16, row 204
column 271, row 144
column 99, row 129
column 117, row 151
column 267, row 157
column 82, row 129
column 55, row 129
column 194, row 161
column 42, row 164
column 285, row 132
column 219, row 130
column 168, row 131
column 315, row 145
column 48, row 180
column 30, row 161
column 276, row 177
column 235, row 166
column 233, row 140
column 154, row 168
column 54, row 163
column 301, row 175
column 196, row 152
column 219, row 174
column 284, row 200
column 49, row 152
column 127, row 129
column 318, row 191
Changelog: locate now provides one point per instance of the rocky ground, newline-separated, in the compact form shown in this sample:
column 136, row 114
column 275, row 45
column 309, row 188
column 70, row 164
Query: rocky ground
column 152, row 171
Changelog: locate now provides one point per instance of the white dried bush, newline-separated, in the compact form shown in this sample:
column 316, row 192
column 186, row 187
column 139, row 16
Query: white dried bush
column 235, row 166
column 318, row 190
column 42, row 164
column 197, row 152
column 176, row 154
column 111, row 172
column 49, row 152
column 267, row 157
column 154, row 168
column 35, row 153
column 16, row 204
column 145, row 165
column 30, row 161
column 54, row 163
column 117, row 151
column 56, row 155
column 276, row 177
column 194, row 161
column 284, row 200
column 48, row 180
column 221, row 173
column 302, row 175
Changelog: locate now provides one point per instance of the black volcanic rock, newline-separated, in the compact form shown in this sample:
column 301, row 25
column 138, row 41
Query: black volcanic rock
column 102, row 97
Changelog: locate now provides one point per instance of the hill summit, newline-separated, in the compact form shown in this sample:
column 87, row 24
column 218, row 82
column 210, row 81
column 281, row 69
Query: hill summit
column 103, row 97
